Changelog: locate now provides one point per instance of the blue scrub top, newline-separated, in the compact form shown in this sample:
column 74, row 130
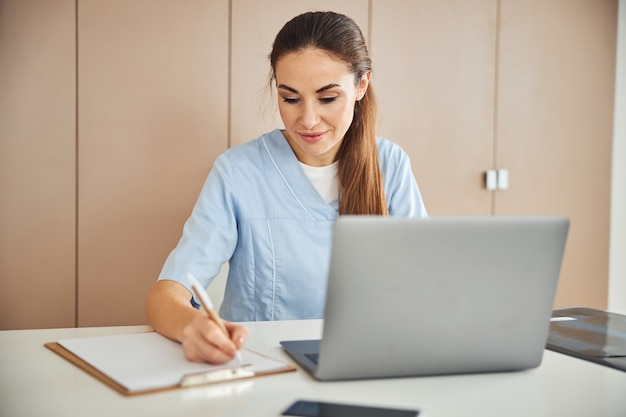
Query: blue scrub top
column 258, row 211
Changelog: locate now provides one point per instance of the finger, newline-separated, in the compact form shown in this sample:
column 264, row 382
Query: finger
column 238, row 334
column 206, row 352
column 204, row 341
column 215, row 339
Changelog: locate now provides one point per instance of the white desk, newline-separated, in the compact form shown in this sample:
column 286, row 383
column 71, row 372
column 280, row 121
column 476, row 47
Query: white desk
column 36, row 382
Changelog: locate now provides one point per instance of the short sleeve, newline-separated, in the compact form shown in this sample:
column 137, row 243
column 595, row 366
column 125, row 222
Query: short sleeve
column 404, row 198
column 210, row 234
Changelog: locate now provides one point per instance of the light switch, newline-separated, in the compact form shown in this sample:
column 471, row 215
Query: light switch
column 503, row 179
column 491, row 179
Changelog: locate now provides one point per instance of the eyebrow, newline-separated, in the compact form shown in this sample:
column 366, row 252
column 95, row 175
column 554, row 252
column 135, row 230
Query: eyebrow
column 319, row 90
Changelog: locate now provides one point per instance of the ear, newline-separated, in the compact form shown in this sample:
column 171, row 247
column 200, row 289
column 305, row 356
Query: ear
column 364, row 82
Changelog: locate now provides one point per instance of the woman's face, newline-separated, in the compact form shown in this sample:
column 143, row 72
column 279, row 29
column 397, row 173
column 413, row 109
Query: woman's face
column 316, row 98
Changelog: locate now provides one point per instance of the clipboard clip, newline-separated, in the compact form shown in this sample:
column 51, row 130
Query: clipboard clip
column 219, row 375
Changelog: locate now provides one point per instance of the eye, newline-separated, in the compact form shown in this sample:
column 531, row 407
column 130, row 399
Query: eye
column 291, row 100
column 327, row 100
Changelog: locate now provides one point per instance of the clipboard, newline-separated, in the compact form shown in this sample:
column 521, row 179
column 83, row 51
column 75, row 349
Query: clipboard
column 143, row 363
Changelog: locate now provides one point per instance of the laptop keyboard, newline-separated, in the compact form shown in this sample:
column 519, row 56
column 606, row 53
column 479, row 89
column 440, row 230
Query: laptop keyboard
column 314, row 357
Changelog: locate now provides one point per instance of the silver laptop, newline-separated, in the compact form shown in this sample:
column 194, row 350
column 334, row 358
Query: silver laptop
column 444, row 295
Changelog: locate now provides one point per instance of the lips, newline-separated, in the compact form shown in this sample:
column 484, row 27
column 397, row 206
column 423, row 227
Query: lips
column 312, row 137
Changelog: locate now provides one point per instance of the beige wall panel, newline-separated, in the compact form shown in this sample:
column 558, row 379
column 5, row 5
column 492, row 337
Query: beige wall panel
column 434, row 69
column 37, row 164
column 556, row 84
column 153, row 94
column 254, row 27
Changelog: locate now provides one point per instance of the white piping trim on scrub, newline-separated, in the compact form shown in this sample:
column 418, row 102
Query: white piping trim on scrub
column 269, row 232
column 284, row 180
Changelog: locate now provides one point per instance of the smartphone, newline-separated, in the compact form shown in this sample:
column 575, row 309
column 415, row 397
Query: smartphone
column 324, row 409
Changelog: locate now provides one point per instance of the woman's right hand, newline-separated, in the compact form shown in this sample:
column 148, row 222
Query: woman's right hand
column 204, row 341
column 170, row 313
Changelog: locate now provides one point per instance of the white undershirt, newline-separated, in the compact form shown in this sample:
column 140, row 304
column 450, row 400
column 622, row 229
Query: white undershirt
column 324, row 180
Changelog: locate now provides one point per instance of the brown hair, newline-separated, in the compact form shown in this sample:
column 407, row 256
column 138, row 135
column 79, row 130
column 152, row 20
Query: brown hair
column 360, row 179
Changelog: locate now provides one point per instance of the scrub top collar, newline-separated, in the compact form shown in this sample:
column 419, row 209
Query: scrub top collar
column 289, row 169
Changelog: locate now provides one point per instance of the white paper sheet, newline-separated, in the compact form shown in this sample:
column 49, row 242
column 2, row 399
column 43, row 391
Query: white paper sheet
column 145, row 361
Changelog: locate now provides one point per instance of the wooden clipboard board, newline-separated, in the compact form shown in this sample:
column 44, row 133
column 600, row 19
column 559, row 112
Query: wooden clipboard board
column 221, row 375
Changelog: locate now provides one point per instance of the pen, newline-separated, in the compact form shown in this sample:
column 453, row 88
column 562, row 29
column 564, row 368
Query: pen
column 207, row 305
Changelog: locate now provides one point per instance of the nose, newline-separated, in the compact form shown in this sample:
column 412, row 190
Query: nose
column 309, row 116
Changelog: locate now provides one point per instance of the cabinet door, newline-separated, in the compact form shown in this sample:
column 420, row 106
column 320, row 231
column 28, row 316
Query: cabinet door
column 37, row 164
column 434, row 73
column 152, row 117
column 254, row 27
column 554, row 132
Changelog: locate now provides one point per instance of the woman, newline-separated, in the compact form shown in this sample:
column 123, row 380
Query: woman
column 268, row 206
